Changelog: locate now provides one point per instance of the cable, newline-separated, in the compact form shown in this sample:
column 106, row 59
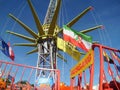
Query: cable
column 104, row 32
column 93, row 15
column 21, row 8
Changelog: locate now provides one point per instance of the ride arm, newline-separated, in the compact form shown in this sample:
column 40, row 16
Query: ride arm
column 37, row 21
column 32, row 51
column 26, row 44
column 91, row 29
column 22, row 36
column 72, row 22
column 30, row 31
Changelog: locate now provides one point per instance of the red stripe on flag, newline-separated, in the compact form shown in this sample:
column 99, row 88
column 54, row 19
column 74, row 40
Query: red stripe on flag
column 74, row 42
column 12, row 56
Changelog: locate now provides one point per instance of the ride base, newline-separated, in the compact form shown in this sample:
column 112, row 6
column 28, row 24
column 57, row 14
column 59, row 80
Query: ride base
column 20, row 77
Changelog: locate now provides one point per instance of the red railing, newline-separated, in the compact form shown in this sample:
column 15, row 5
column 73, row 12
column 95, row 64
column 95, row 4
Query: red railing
column 18, row 72
column 81, row 76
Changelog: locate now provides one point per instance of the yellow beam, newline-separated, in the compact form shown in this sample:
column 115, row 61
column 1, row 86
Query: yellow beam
column 22, row 36
column 91, row 29
column 26, row 44
column 32, row 51
column 37, row 21
column 72, row 22
column 24, row 26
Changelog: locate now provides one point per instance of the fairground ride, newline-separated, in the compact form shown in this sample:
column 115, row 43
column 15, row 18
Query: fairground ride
column 45, row 43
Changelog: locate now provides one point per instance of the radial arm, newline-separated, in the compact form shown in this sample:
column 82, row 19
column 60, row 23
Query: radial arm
column 72, row 22
column 32, row 51
column 26, row 44
column 24, row 26
column 22, row 36
column 37, row 21
column 91, row 29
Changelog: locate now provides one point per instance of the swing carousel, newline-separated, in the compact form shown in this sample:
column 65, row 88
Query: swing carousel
column 52, row 39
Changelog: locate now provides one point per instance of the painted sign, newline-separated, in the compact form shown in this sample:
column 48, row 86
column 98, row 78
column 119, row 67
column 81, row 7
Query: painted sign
column 82, row 64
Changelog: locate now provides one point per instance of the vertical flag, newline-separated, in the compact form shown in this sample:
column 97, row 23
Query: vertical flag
column 104, row 76
column 116, row 57
column 118, row 67
column 10, row 77
column 6, row 49
column 64, row 46
column 78, row 39
column 11, row 53
column 107, row 58
column 110, row 71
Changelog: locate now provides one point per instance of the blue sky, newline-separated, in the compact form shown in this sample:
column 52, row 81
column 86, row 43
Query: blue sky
column 105, row 12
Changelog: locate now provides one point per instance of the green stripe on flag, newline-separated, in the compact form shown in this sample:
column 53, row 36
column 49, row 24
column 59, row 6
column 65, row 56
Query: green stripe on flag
column 83, row 36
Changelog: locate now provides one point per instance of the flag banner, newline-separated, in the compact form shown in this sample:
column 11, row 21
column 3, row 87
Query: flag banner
column 12, row 56
column 6, row 49
column 116, row 57
column 104, row 77
column 110, row 71
column 10, row 77
column 118, row 67
column 69, row 49
column 107, row 58
column 76, row 38
column 83, row 64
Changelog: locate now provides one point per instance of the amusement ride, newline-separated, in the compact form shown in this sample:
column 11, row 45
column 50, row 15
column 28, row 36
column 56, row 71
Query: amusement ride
column 49, row 40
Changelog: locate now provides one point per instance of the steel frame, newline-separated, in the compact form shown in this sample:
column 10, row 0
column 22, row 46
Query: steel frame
column 101, row 47
column 57, row 72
